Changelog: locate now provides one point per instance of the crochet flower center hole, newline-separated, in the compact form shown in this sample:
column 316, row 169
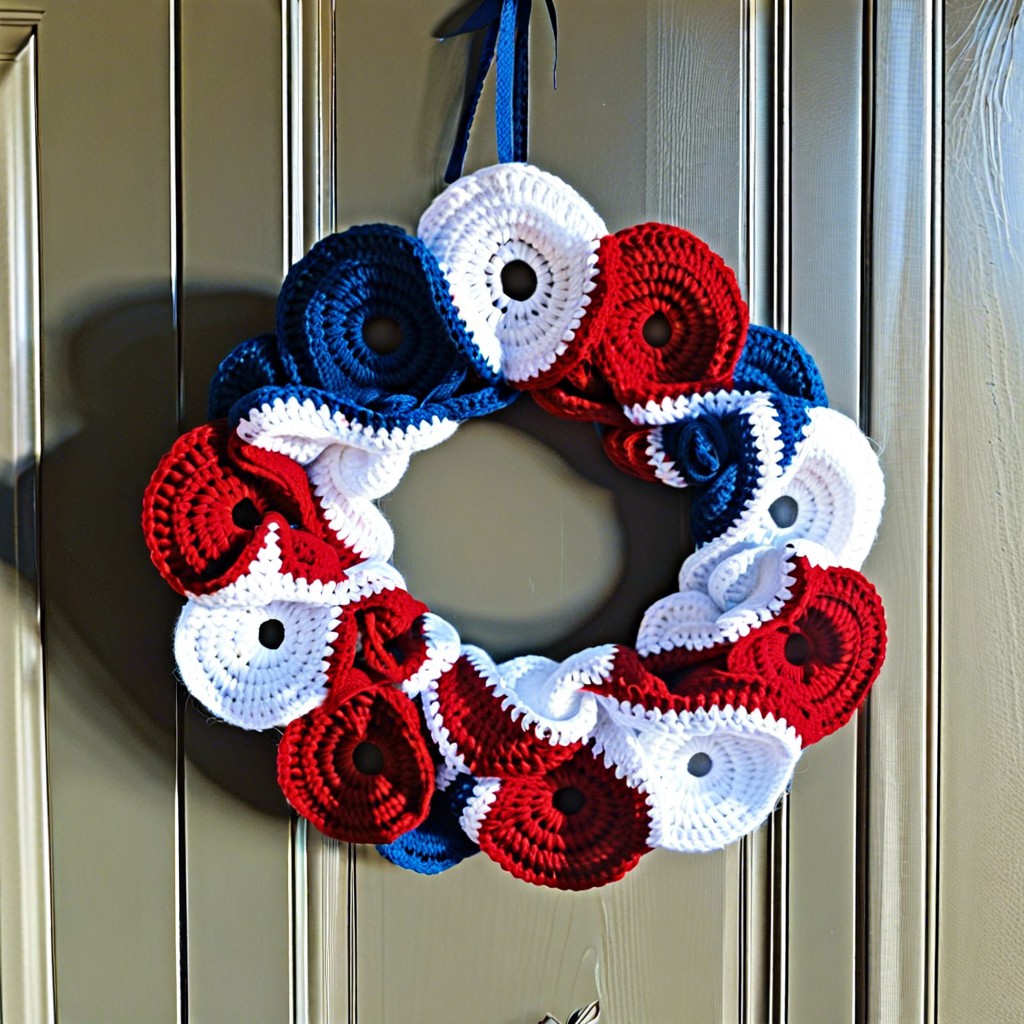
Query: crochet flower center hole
column 657, row 330
column 797, row 649
column 699, row 765
column 271, row 634
column 368, row 759
column 518, row 280
column 382, row 334
column 784, row 511
column 568, row 800
column 245, row 515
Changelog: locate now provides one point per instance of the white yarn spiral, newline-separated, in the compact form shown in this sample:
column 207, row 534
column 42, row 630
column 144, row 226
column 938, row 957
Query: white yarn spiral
column 499, row 215
column 231, row 673
column 748, row 762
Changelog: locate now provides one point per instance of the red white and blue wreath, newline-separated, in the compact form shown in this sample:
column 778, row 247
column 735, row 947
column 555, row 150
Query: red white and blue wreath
column 397, row 733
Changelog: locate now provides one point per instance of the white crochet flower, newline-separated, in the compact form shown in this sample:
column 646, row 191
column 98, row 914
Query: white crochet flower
column 257, row 652
column 835, row 492
column 719, row 600
column 250, row 676
column 711, row 775
column 512, row 213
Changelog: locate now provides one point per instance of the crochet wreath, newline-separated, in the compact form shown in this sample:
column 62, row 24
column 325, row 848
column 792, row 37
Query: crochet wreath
column 395, row 732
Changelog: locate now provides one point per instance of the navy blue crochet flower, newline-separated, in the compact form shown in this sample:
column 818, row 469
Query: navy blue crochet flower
column 428, row 372
column 439, row 842
column 726, row 446
column 722, row 457
column 778, row 364
column 250, row 365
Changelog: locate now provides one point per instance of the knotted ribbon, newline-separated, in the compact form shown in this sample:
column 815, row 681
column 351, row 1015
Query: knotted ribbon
column 506, row 42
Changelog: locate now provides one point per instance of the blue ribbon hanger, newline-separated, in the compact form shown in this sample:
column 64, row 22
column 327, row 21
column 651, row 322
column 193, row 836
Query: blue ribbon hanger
column 506, row 42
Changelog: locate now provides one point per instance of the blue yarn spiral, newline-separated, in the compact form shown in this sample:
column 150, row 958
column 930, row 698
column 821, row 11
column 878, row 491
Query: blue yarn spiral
column 777, row 363
column 717, row 454
column 346, row 279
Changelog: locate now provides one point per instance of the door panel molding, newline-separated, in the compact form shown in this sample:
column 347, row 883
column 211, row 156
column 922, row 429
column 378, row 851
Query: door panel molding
column 237, row 148
column 904, row 371
column 26, row 939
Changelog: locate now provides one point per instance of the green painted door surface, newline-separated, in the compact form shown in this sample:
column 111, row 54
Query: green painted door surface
column 164, row 162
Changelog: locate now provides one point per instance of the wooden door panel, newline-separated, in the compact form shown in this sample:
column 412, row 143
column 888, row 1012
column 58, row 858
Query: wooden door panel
column 109, row 401
column 232, row 208
column 980, row 925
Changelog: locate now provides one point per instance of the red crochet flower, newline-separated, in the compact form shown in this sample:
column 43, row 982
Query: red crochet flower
column 813, row 662
column 678, row 664
column 575, row 826
column 628, row 448
column 681, row 680
column 464, row 712
column 659, row 273
column 673, row 323
column 206, row 507
column 391, row 648
column 361, row 771
column 820, row 655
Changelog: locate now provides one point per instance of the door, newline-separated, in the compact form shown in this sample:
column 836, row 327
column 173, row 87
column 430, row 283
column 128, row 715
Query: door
column 165, row 161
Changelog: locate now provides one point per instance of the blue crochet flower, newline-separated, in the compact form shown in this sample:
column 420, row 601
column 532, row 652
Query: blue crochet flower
column 439, row 842
column 722, row 451
column 432, row 373
column 250, row 366
column 727, row 447
column 778, row 364
column 725, row 455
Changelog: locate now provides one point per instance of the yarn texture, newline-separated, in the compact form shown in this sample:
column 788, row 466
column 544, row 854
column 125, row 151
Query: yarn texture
column 395, row 731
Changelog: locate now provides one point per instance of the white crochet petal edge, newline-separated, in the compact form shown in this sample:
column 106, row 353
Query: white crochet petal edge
column 303, row 429
column 485, row 792
column 443, row 649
